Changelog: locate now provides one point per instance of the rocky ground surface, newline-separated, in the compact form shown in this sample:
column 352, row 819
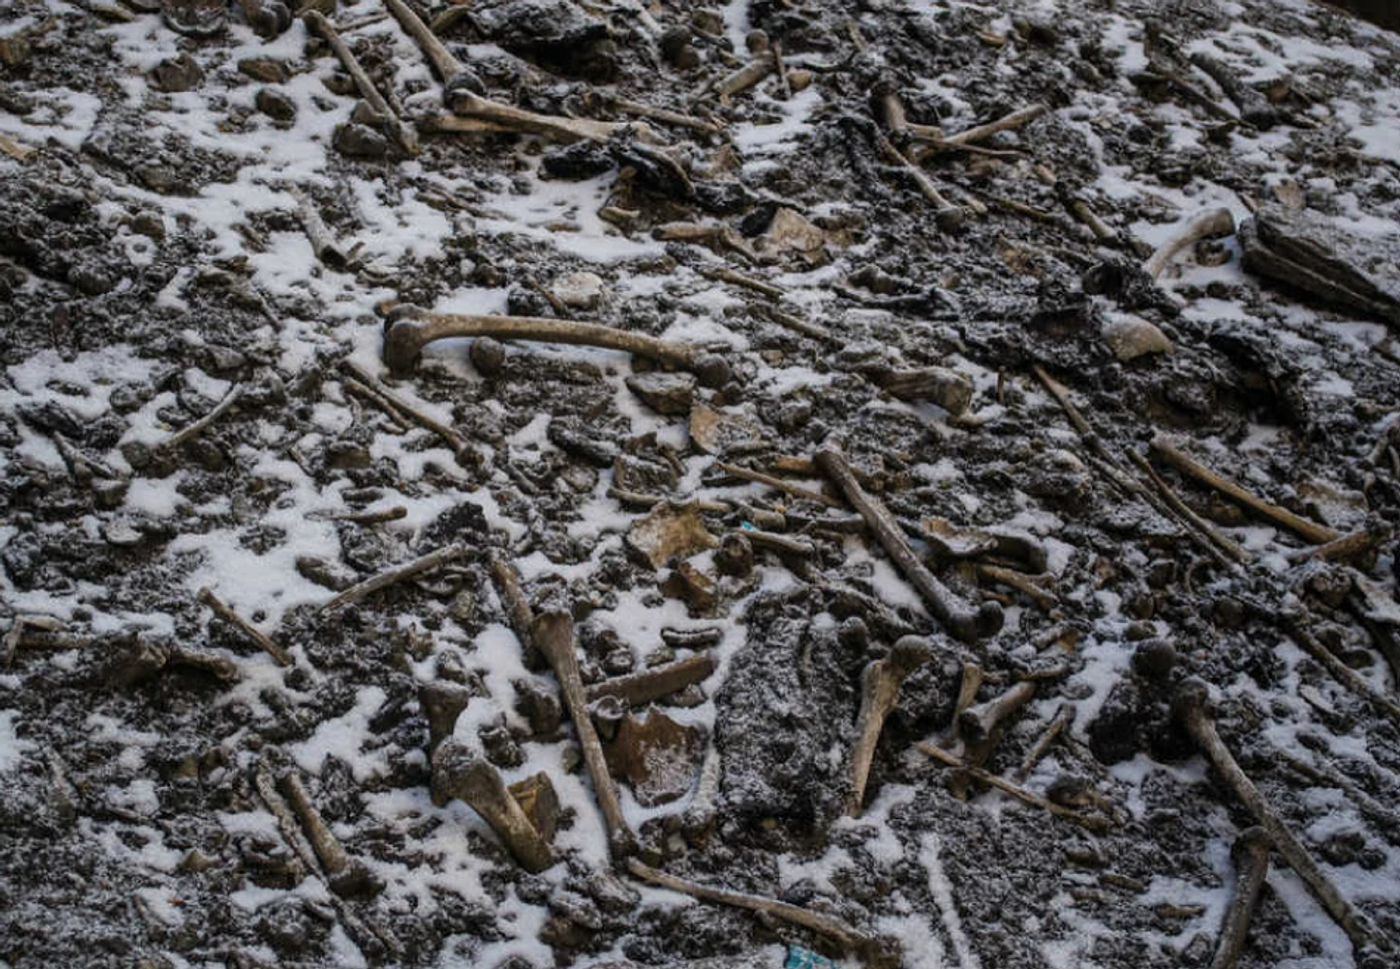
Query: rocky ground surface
column 210, row 757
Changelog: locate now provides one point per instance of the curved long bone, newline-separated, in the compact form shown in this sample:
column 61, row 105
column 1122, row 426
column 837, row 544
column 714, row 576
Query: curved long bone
column 408, row 329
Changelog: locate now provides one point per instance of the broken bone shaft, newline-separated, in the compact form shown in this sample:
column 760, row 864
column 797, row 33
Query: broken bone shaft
column 1191, row 708
column 346, row 876
column 961, row 619
column 408, row 329
column 460, row 773
column 553, row 635
column 879, row 692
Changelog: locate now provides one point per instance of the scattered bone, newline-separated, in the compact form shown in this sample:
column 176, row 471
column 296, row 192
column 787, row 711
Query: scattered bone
column 1224, row 549
column 1088, row 821
column 17, row 150
column 191, row 431
column 665, row 393
column 669, row 531
column 553, row 634
column 984, row 720
column 402, row 133
column 725, row 274
column 424, row 563
column 1167, row 452
column 228, row 615
column 947, row 388
column 971, row 136
column 782, row 544
column 1343, row 673
column 747, row 76
column 410, row 329
column 460, row 773
column 1191, row 707
column 1354, row 545
column 323, row 242
column 1131, row 337
column 787, row 487
column 1064, row 716
column 958, row 616
column 1211, row 223
column 1031, row 585
column 948, row 215
column 845, row 934
column 879, row 692
column 372, row 388
column 639, row 110
column 540, row 802
column 639, row 689
column 345, row 875
column 1250, row 854
column 23, row 628
column 719, row 237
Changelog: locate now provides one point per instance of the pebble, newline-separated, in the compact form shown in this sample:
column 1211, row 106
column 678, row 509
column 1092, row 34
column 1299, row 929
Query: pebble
column 1130, row 337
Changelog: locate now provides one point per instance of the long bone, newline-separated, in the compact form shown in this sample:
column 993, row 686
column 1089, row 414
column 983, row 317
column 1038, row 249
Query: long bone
column 879, row 692
column 1251, row 856
column 554, row 636
column 326, row 30
column 1191, row 708
column 408, row 329
column 459, row 772
column 345, row 874
column 950, row 609
column 1212, row 222
column 464, row 102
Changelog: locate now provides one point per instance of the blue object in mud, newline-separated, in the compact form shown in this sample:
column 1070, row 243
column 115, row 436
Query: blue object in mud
column 800, row 958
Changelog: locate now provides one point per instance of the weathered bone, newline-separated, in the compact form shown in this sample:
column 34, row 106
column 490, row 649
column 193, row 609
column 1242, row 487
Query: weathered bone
column 947, row 215
column 402, row 133
column 465, row 102
column 323, row 241
column 1212, row 222
column 833, row 928
column 1191, row 708
column 1062, row 719
column 787, row 487
column 934, row 135
column 1317, row 534
column 700, row 812
column 459, row 772
column 442, row 702
column 344, row 874
column 641, row 688
column 1089, row 821
column 554, row 636
column 747, row 76
column 980, row 722
column 409, row 329
column 398, row 573
column 372, row 389
column 879, row 692
column 192, row 430
column 1251, row 856
column 950, row 609
column 226, row 613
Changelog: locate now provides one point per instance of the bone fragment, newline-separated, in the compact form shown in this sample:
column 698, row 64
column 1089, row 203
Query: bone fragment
column 226, row 613
column 442, row 702
column 373, row 389
column 1212, row 222
column 410, row 329
column 1089, row 821
column 970, row 136
column 979, row 723
column 554, row 636
column 190, row 431
column 879, row 692
column 402, row 133
column 1062, row 719
column 398, row 573
column 460, row 773
column 1251, row 856
column 787, row 487
column 639, row 689
column 345, row 875
column 950, row 609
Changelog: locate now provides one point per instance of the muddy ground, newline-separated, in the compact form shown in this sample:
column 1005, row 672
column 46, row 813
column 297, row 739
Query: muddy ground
column 195, row 226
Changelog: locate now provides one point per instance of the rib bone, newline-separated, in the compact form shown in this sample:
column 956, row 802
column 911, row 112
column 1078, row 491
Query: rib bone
column 1190, row 706
column 553, row 635
column 879, row 692
column 948, row 608
column 460, row 773
column 409, row 329
column 1251, row 857
column 1213, row 222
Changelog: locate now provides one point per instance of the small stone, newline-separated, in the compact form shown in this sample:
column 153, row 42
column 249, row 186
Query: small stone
column 1155, row 659
column 791, row 232
column 121, row 534
column 500, row 747
column 217, row 360
column 275, row 105
column 149, row 223
column 1130, row 337
column 488, row 356
column 176, row 74
column 666, row 393
column 269, row 70
column 539, row 707
column 580, row 291
column 735, row 555
column 358, row 141
column 109, row 493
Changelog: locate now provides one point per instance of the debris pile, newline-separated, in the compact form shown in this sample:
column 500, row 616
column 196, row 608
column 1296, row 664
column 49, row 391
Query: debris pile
column 554, row 483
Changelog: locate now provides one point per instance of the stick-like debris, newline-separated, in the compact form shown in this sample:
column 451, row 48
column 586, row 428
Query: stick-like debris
column 410, row 329
column 1212, row 222
column 398, row 573
column 1344, row 674
column 554, row 636
column 833, row 928
column 879, row 692
column 371, row 388
column 970, row 136
column 1251, row 856
column 226, row 613
column 459, row 772
column 1089, row 821
column 787, row 487
column 955, row 613
column 1191, row 708
column 191, row 431
column 1165, row 451
column 345, row 875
